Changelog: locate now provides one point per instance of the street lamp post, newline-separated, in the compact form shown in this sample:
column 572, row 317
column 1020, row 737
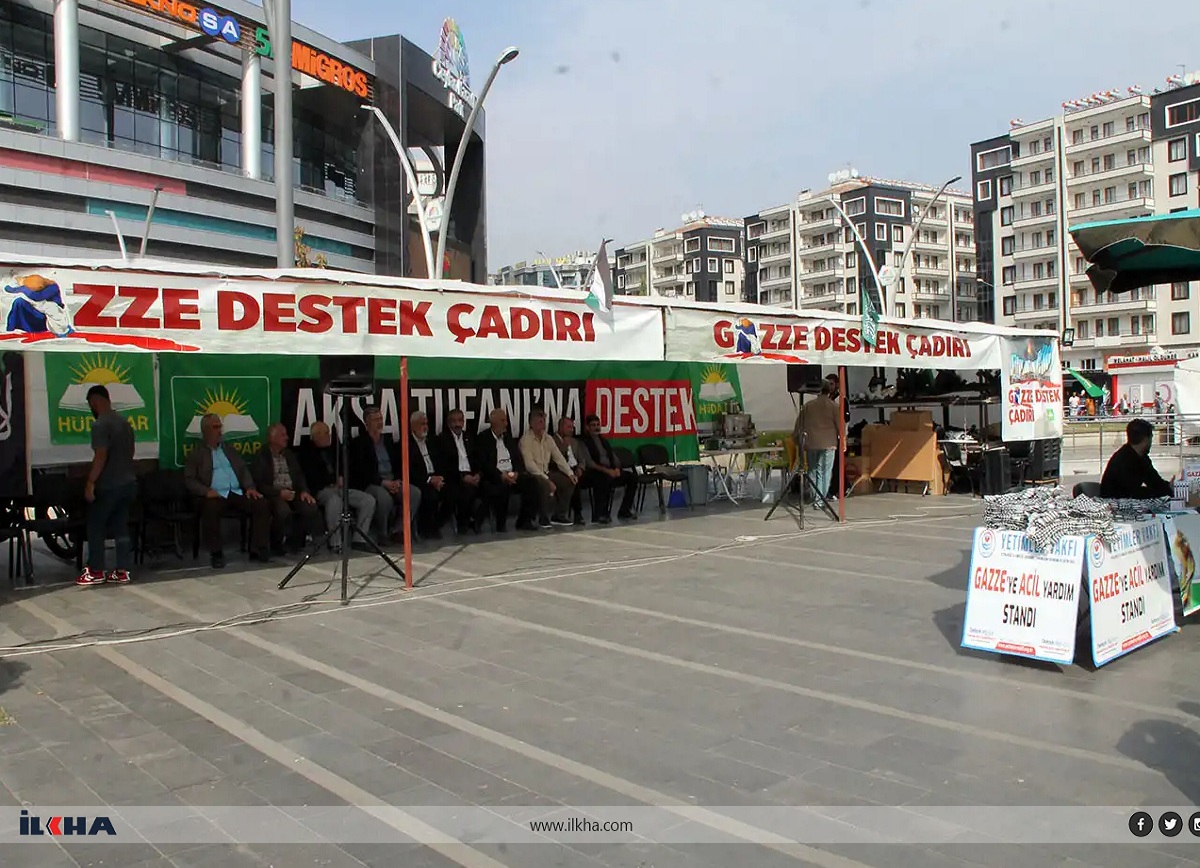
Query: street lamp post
column 866, row 252
column 889, row 301
column 279, row 27
column 507, row 56
column 410, row 175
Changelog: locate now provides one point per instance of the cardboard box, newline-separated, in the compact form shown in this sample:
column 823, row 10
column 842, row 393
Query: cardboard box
column 912, row 420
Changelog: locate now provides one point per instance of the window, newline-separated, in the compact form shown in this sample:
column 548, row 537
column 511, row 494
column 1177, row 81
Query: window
column 1114, row 327
column 1177, row 150
column 983, row 191
column 1135, row 325
column 1183, row 113
column 862, row 230
column 713, row 265
column 712, row 290
column 1110, row 195
column 1082, row 329
column 1180, row 291
column 1094, row 132
column 1181, row 323
column 1077, row 137
column 1110, row 162
column 1148, row 323
column 1035, row 178
column 1006, row 184
column 994, row 159
column 720, row 245
column 729, row 266
column 1131, row 190
column 1108, row 129
column 855, row 206
column 1179, row 184
column 1099, row 328
column 1006, row 215
column 1035, row 147
column 851, row 259
column 730, row 288
column 1049, row 176
column 693, row 265
column 1081, row 200
column 889, row 207
column 691, row 245
column 1010, row 305
column 1009, row 275
column 1131, row 157
column 620, row 281
column 1007, row 245
column 1079, row 168
column 901, row 311
column 1035, row 209
column 881, row 232
column 848, row 235
column 898, row 233
column 754, row 230
column 1047, row 144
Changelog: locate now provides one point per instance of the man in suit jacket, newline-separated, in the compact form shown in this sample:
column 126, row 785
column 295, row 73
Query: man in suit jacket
column 604, row 472
column 278, row 475
column 375, row 468
column 427, row 472
column 216, row 475
column 463, row 479
column 319, row 461
column 503, row 473
column 577, row 461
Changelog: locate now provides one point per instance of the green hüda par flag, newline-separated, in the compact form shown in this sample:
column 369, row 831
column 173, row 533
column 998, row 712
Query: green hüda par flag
column 600, row 292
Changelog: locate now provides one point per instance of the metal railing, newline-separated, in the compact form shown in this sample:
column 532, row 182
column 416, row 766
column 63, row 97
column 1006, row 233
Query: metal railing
column 1089, row 441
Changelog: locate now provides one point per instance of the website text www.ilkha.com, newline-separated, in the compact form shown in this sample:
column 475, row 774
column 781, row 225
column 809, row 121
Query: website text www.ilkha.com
column 580, row 824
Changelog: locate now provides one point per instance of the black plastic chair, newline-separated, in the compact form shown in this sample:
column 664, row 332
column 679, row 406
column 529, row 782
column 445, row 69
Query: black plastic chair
column 656, row 462
column 59, row 515
column 164, row 500
column 10, row 529
column 643, row 480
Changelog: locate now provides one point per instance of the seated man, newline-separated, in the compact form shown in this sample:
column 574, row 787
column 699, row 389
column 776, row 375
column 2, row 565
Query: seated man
column 462, row 472
column 576, row 457
column 319, row 463
column 1130, row 472
column 426, row 473
column 278, row 475
column 554, row 477
column 503, row 474
column 604, row 472
column 375, row 468
column 216, row 474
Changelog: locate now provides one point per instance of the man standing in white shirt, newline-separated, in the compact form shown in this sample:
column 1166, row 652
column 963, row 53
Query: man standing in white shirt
column 457, row 447
column 554, row 477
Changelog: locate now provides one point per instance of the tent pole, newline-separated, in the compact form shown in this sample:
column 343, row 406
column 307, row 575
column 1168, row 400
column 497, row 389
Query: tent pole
column 404, row 475
column 842, row 440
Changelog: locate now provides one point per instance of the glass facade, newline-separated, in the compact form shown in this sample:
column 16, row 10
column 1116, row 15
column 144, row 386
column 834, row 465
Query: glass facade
column 138, row 98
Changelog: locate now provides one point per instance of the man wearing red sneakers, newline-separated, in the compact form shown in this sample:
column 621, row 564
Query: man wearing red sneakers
column 110, row 490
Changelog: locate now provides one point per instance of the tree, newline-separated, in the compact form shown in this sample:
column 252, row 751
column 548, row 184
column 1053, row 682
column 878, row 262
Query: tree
column 303, row 253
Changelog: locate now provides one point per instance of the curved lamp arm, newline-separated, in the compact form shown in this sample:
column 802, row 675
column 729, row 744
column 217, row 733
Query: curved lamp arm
column 411, row 174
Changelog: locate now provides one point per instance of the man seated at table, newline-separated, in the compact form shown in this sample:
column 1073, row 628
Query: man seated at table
column 277, row 474
column 604, row 473
column 1130, row 472
column 554, row 477
column 218, row 477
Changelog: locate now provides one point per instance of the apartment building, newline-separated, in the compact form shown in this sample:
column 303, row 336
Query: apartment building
column 570, row 271
column 1110, row 156
column 703, row 259
column 803, row 255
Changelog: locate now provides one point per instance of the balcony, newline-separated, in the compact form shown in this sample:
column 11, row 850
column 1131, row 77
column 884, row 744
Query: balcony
column 827, row 300
column 1046, row 280
column 1030, row 251
column 1114, row 341
column 966, row 272
column 1119, row 304
column 1121, row 139
column 778, row 231
column 661, row 280
column 674, row 254
column 1028, row 191
column 932, row 246
column 807, row 226
column 815, row 249
column 929, row 270
column 823, row 274
column 937, row 296
column 1139, row 170
column 785, row 280
column 1033, row 159
column 779, row 256
column 776, row 298
column 1027, row 314
column 1110, row 210
column 1032, row 220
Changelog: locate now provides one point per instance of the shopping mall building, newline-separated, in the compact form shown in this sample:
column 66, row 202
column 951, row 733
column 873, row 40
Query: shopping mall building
column 103, row 101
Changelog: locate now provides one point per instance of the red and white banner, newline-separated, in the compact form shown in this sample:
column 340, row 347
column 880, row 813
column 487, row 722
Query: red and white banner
column 714, row 336
column 68, row 310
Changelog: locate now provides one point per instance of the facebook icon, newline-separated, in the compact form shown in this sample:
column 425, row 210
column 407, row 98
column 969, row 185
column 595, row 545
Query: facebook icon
column 1141, row 824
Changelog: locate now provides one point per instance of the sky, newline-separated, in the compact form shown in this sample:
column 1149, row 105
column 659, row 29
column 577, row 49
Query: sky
column 620, row 116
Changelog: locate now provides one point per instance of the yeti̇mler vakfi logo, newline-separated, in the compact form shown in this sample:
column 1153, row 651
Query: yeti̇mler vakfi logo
column 81, row 826
column 987, row 543
column 1096, row 552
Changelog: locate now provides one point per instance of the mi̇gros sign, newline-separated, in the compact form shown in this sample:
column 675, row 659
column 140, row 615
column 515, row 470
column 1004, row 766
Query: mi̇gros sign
column 256, row 38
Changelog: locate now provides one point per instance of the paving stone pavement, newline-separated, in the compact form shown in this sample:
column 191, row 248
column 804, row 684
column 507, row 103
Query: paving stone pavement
column 705, row 659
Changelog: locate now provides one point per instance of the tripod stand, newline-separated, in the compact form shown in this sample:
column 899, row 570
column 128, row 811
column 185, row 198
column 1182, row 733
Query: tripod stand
column 346, row 528
column 800, row 469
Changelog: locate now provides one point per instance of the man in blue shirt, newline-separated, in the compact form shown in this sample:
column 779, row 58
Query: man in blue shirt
column 218, row 476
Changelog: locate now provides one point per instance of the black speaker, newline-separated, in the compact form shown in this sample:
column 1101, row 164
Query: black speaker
column 804, row 378
column 1047, row 459
column 997, row 471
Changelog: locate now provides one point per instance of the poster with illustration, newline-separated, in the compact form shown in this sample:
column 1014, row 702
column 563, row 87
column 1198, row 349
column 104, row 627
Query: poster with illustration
column 1183, row 540
column 1032, row 389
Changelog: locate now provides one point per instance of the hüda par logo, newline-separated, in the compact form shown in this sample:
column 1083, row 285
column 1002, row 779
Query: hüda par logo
column 31, row 824
column 987, row 543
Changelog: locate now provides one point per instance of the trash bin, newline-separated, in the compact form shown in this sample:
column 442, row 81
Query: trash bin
column 698, row 483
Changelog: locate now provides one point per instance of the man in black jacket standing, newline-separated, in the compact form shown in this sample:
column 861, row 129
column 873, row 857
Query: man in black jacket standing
column 502, row 469
column 463, row 479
